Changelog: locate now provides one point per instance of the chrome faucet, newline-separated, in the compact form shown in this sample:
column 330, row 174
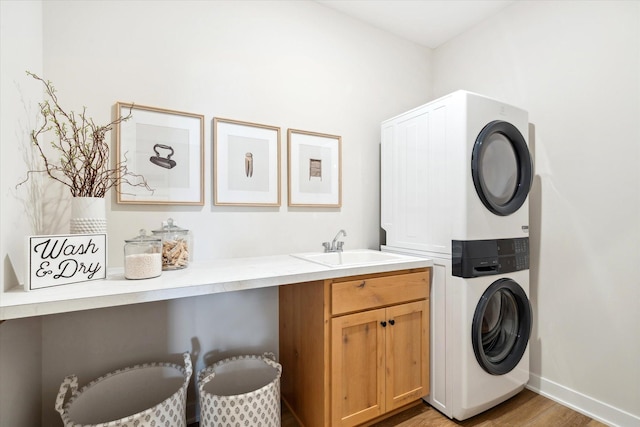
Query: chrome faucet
column 335, row 245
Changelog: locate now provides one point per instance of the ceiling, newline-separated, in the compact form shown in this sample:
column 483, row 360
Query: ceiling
column 429, row 23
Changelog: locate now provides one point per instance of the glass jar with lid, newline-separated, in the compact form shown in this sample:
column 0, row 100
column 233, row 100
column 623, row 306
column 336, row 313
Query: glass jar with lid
column 176, row 245
column 142, row 257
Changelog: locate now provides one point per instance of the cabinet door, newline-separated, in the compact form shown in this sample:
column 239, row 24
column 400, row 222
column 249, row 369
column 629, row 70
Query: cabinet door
column 357, row 367
column 407, row 353
column 414, row 180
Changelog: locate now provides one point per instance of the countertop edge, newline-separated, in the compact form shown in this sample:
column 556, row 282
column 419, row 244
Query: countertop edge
column 203, row 278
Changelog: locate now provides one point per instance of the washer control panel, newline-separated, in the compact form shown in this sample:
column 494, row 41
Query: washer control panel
column 474, row 258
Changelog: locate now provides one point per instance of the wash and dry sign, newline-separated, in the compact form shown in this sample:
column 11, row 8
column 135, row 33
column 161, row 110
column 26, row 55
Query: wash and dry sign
column 60, row 260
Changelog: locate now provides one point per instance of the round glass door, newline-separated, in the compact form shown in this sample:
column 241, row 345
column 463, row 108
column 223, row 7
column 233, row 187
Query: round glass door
column 501, row 168
column 501, row 327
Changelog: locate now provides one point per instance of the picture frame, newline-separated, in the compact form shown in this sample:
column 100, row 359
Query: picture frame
column 314, row 169
column 166, row 147
column 246, row 163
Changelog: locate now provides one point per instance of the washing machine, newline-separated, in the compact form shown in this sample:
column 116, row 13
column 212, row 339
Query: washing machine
column 481, row 321
column 457, row 168
column 490, row 320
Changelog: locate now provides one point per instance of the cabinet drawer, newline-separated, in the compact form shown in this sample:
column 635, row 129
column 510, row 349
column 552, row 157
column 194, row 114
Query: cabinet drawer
column 363, row 294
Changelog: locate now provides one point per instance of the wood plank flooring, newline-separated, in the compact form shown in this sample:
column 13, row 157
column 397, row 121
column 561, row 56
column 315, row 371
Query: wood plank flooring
column 527, row 409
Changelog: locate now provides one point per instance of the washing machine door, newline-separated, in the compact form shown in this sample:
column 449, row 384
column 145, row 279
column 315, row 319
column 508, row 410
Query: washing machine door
column 501, row 167
column 501, row 326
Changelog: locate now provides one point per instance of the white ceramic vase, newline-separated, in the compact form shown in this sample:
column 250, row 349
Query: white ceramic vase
column 88, row 215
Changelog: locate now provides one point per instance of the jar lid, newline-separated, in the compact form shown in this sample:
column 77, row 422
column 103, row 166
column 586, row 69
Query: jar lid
column 170, row 227
column 143, row 238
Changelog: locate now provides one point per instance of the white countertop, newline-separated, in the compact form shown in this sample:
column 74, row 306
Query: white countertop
column 200, row 278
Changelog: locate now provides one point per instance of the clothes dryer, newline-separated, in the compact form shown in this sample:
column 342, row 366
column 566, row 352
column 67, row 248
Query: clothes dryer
column 456, row 168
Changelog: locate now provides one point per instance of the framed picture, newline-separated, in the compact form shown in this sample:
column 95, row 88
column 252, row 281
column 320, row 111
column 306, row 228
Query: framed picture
column 246, row 163
column 315, row 163
column 166, row 147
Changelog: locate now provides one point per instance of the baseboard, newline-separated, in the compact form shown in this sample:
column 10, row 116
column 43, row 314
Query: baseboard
column 579, row 402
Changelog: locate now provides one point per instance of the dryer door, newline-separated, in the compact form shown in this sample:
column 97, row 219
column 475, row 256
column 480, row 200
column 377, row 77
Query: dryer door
column 501, row 326
column 501, row 167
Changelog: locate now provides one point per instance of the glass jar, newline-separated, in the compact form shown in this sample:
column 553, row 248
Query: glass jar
column 176, row 246
column 142, row 257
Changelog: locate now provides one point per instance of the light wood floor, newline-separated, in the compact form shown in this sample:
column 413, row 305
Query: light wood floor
column 526, row 409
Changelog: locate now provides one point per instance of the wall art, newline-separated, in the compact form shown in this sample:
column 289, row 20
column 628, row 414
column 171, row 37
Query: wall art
column 63, row 259
column 166, row 147
column 246, row 163
column 315, row 163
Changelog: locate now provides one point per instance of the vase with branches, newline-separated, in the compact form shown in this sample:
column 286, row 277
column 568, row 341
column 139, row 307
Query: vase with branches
column 77, row 153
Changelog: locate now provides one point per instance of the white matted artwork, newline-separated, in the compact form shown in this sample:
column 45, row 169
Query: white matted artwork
column 166, row 147
column 314, row 169
column 246, row 163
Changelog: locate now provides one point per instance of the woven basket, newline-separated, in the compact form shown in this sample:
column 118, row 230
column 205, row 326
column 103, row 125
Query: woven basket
column 240, row 391
column 151, row 394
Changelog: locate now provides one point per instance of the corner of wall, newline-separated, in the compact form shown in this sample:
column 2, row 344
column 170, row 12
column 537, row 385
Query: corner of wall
column 21, row 48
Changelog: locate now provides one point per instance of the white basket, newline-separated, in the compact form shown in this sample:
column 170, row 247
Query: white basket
column 151, row 394
column 240, row 391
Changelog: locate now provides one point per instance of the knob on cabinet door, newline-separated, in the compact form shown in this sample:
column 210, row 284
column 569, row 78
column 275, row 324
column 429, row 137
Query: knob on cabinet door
column 384, row 324
column 392, row 322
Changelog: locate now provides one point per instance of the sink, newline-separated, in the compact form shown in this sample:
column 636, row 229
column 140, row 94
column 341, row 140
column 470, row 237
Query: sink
column 351, row 257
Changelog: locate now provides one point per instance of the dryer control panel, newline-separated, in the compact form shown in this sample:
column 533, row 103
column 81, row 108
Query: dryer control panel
column 474, row 258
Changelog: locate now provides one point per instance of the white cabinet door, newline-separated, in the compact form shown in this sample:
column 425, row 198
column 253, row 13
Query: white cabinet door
column 414, row 180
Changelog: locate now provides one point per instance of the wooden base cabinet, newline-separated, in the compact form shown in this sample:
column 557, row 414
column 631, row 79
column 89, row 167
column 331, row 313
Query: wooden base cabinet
column 356, row 348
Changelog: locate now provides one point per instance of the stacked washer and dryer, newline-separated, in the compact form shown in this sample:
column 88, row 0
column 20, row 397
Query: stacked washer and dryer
column 456, row 174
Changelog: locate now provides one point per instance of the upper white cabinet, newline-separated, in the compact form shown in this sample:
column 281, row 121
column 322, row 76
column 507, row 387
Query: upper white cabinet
column 414, row 180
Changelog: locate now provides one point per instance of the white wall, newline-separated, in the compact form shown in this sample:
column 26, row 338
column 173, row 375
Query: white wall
column 282, row 63
column 287, row 64
column 21, row 49
column 575, row 66
column 20, row 341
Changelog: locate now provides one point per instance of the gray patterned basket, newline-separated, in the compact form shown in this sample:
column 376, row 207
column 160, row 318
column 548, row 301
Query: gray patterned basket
column 240, row 391
column 147, row 395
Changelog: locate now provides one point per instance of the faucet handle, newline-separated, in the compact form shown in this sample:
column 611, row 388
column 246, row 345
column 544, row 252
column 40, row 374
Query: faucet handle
column 327, row 246
column 339, row 246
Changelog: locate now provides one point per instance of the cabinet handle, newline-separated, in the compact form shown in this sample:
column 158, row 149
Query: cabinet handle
column 384, row 324
column 361, row 285
column 392, row 322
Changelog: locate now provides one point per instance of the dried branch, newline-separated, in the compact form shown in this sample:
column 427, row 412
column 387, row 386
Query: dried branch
column 83, row 163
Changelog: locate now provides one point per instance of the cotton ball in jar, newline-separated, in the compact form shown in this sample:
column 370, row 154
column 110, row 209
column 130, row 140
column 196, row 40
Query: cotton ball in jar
column 142, row 257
